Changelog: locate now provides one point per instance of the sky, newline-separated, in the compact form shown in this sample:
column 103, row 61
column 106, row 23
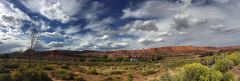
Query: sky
column 118, row 24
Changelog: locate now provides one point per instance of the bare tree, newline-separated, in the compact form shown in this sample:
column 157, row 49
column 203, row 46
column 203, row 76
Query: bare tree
column 34, row 36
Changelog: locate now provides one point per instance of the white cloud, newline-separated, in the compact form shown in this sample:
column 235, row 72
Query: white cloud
column 55, row 12
column 184, row 23
column 139, row 25
column 11, row 21
column 51, row 34
column 72, row 30
column 111, row 45
column 146, row 41
column 65, row 10
column 223, row 1
column 61, row 10
column 104, row 37
column 151, row 9
column 11, row 16
column 158, row 23
column 55, row 44
column 120, row 44
column 100, row 24
column 94, row 9
column 84, row 44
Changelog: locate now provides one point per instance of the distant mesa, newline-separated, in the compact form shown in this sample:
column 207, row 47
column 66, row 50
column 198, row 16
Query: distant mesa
column 171, row 51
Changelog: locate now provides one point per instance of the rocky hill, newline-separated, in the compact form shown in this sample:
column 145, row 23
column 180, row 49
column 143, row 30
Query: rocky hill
column 172, row 51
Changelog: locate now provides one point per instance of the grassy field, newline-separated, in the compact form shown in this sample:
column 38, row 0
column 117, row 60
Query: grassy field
column 225, row 67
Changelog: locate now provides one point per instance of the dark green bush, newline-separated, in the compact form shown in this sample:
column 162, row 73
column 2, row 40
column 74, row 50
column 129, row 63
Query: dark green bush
column 48, row 68
column 4, row 70
column 12, row 66
column 32, row 75
column 65, row 66
column 6, row 77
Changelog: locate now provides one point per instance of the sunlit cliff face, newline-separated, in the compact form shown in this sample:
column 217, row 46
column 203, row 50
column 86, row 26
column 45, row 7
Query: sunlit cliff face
column 118, row 24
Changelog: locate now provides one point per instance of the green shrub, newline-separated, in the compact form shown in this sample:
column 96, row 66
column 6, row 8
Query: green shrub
column 65, row 66
column 117, row 72
column 12, row 66
column 92, row 71
column 4, row 70
column 146, row 71
column 223, row 65
column 82, row 69
column 167, row 77
column 79, row 78
column 32, row 75
column 6, row 77
column 64, row 75
column 234, row 57
column 112, row 79
column 109, row 71
column 48, row 68
column 228, row 77
column 198, row 72
column 129, row 77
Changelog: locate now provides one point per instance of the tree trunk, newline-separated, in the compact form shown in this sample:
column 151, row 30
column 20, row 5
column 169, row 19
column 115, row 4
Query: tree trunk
column 30, row 59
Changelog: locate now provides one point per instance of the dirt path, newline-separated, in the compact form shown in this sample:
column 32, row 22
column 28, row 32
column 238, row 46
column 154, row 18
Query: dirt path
column 236, row 70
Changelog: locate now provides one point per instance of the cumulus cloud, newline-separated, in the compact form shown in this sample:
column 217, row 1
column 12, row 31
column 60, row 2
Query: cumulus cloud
column 55, row 12
column 9, row 47
column 110, row 45
column 183, row 23
column 104, row 37
column 151, row 9
column 102, row 24
column 11, row 16
column 148, row 32
column 72, row 30
column 61, row 10
column 51, row 34
column 151, row 23
column 139, row 25
column 65, row 10
column 55, row 44
column 11, row 21
column 150, row 41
